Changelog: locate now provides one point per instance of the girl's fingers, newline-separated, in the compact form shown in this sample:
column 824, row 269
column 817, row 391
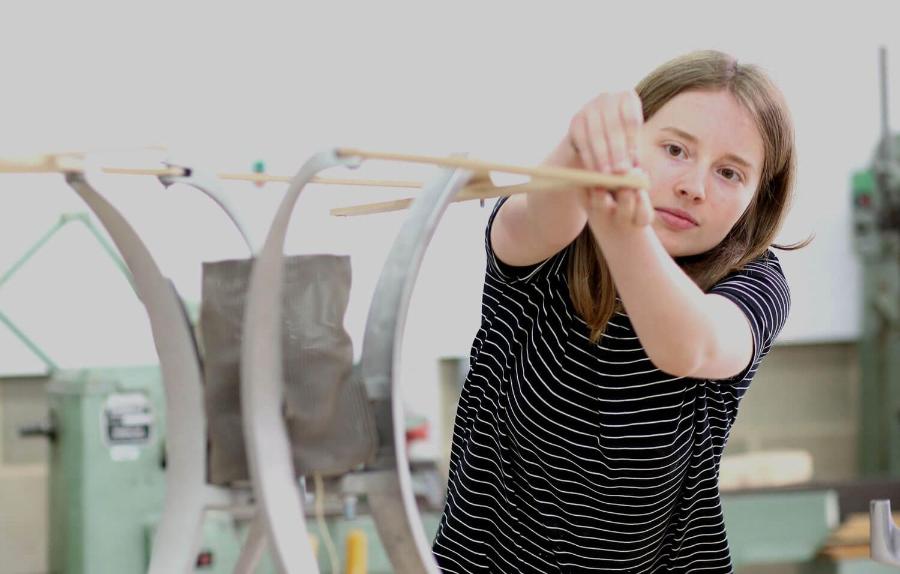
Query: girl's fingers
column 578, row 139
column 626, row 201
column 597, row 139
column 610, row 202
column 625, row 207
column 644, row 212
column 605, row 132
column 595, row 196
column 632, row 116
column 603, row 201
column 616, row 140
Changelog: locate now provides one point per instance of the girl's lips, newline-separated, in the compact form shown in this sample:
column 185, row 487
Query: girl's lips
column 674, row 221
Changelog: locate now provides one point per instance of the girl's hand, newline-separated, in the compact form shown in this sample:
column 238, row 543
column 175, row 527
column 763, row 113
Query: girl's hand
column 617, row 212
column 604, row 133
column 604, row 137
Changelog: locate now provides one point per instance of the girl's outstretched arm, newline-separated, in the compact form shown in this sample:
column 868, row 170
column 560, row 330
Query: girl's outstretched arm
column 684, row 331
column 531, row 227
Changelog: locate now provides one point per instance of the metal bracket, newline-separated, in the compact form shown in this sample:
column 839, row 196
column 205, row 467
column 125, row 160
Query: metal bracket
column 206, row 182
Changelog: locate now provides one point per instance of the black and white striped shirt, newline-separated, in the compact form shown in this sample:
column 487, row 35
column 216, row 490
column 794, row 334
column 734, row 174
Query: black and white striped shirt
column 571, row 456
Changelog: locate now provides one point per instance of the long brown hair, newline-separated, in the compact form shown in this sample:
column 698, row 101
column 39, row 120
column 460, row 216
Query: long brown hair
column 590, row 283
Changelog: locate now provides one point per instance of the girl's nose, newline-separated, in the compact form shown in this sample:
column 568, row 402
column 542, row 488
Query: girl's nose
column 692, row 185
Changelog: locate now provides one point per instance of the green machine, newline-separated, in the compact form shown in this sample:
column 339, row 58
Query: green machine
column 107, row 482
column 876, row 216
column 107, row 475
column 106, row 459
column 105, row 468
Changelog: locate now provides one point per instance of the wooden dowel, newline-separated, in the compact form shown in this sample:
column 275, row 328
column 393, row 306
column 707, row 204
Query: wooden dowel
column 370, row 182
column 468, row 193
column 265, row 178
column 171, row 171
column 39, row 164
column 63, row 164
column 67, row 163
column 256, row 177
column 587, row 178
column 373, row 208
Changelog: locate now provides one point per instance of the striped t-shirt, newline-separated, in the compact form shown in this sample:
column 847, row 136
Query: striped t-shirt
column 572, row 456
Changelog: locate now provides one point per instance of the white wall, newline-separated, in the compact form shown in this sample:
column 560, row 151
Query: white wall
column 225, row 86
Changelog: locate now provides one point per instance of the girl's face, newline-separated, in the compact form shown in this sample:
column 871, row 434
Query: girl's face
column 704, row 156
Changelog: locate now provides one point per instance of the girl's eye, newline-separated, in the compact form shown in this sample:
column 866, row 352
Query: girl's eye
column 674, row 150
column 731, row 175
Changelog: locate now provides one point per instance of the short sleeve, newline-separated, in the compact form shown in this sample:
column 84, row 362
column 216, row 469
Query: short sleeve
column 761, row 291
column 506, row 273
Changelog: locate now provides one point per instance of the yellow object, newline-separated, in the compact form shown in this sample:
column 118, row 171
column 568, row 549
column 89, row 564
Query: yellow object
column 314, row 542
column 323, row 527
column 356, row 552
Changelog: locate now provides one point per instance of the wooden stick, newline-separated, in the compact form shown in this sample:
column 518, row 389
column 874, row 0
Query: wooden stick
column 39, row 164
column 62, row 163
column 263, row 178
column 266, row 178
column 372, row 208
column 55, row 162
column 578, row 176
column 172, row 171
column 479, row 187
column 475, row 191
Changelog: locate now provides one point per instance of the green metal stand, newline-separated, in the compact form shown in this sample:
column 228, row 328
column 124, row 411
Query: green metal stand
column 876, row 216
column 64, row 220
column 104, row 484
column 878, row 244
column 107, row 476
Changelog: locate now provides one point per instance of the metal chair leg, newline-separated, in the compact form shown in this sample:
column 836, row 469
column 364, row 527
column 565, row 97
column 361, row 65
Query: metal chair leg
column 253, row 547
column 393, row 506
column 178, row 534
column 262, row 388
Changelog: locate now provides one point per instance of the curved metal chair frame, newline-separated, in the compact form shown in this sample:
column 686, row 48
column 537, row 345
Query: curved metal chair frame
column 188, row 495
column 388, row 483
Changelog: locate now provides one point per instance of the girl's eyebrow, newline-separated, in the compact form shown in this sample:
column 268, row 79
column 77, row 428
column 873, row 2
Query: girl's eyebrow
column 693, row 139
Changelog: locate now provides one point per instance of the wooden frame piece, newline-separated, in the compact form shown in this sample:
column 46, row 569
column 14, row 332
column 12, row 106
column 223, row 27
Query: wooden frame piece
column 544, row 178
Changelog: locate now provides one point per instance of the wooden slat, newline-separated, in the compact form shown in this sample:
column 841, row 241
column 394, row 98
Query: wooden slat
column 635, row 180
column 851, row 539
column 479, row 190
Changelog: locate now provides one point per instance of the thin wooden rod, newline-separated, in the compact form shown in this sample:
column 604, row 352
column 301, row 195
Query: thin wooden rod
column 64, row 163
column 160, row 171
column 579, row 176
column 468, row 193
column 39, row 164
column 264, row 178
column 67, row 163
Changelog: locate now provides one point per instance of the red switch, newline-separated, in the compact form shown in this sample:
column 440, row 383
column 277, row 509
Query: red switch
column 205, row 559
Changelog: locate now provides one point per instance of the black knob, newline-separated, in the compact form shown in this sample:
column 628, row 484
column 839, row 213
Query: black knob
column 46, row 430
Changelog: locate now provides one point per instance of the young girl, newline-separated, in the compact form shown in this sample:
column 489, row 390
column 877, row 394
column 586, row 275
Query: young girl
column 620, row 330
